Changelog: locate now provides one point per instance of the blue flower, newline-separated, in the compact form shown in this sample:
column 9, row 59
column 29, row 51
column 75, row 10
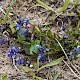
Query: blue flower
column 2, row 41
column 20, row 62
column 42, row 49
column 32, row 36
column 18, row 26
column 65, row 36
column 66, row 17
column 46, row 50
column 63, row 27
column 15, row 50
column 27, row 21
column 20, row 21
column 10, row 54
column 15, row 56
column 0, row 27
column 38, row 46
column 77, row 49
column 42, row 57
column 72, row 54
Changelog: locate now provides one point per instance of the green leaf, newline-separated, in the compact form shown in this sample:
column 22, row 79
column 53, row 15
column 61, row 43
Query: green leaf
column 8, row 11
column 56, row 76
column 27, row 69
column 4, row 77
column 52, row 63
column 27, row 48
column 68, row 14
column 37, row 64
column 12, row 27
column 64, row 6
column 77, row 1
column 33, row 48
column 44, row 5
column 50, row 35
column 19, row 36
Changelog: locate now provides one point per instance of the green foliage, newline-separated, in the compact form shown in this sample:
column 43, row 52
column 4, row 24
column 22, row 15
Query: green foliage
column 56, row 76
column 50, row 35
column 27, row 69
column 4, row 77
column 19, row 36
column 44, row 5
column 37, row 64
column 33, row 48
column 8, row 11
column 77, row 1
column 52, row 63
column 64, row 6
column 12, row 27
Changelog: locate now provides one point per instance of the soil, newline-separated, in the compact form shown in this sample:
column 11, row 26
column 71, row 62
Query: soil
column 27, row 9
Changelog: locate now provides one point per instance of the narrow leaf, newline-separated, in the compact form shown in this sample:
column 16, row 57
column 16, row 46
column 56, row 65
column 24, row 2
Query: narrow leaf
column 64, row 6
column 69, row 14
column 37, row 64
column 12, row 27
column 56, row 76
column 27, row 69
column 8, row 11
column 52, row 63
column 44, row 5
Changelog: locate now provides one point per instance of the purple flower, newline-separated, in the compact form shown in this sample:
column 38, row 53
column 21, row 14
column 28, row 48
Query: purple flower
column 0, row 27
column 42, row 49
column 42, row 57
column 15, row 50
column 20, row 21
column 72, row 54
column 18, row 26
column 66, row 17
column 2, row 41
column 10, row 54
column 27, row 21
column 65, row 36
column 38, row 46
column 63, row 27
column 46, row 50
column 20, row 62
column 77, row 49
column 32, row 36
column 15, row 56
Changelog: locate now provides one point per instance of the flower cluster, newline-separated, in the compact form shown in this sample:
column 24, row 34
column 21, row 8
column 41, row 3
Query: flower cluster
column 43, row 51
column 13, row 54
column 19, row 23
column 76, row 50
column 22, row 31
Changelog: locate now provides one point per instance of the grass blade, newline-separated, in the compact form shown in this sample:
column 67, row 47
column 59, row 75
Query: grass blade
column 64, row 6
column 8, row 11
column 44, row 5
column 37, row 64
column 56, row 76
column 52, row 63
